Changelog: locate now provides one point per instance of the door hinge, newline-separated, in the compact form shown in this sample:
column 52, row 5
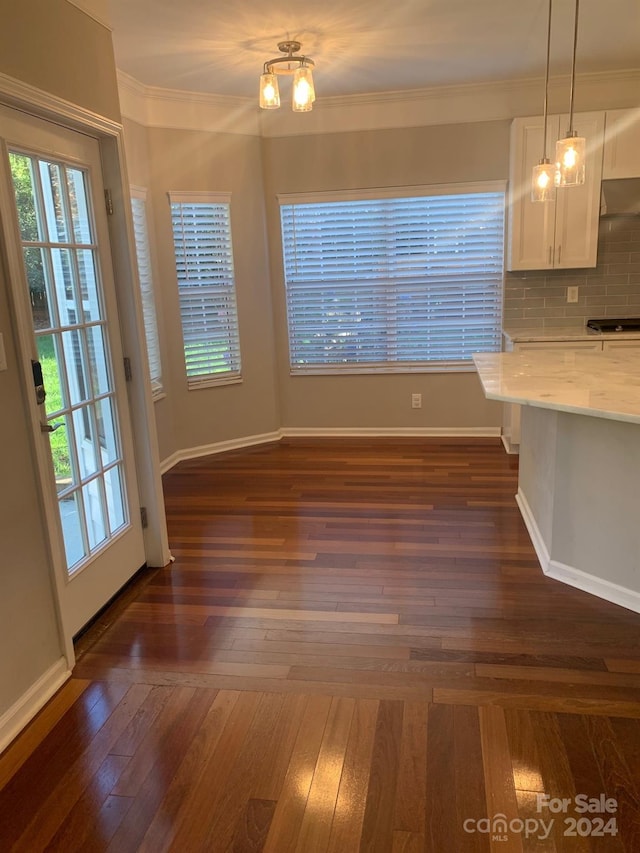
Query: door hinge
column 143, row 517
column 128, row 373
column 108, row 202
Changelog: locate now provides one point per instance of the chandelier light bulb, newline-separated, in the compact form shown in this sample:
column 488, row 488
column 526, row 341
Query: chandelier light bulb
column 570, row 160
column 269, row 94
column 303, row 92
column 543, row 183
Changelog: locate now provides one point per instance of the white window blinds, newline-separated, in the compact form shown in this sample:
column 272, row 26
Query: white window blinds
column 143, row 255
column 393, row 283
column 206, row 286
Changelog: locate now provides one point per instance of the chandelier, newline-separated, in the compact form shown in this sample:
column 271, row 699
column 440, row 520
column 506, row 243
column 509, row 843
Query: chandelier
column 303, row 93
column 569, row 167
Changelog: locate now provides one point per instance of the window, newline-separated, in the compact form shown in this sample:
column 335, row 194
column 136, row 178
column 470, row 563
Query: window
column 391, row 281
column 206, row 287
column 143, row 254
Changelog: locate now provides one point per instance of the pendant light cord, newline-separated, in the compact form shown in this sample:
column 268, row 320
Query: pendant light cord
column 573, row 69
column 546, row 85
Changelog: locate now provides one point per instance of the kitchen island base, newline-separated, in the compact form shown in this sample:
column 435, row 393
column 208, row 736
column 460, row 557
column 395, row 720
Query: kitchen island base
column 579, row 494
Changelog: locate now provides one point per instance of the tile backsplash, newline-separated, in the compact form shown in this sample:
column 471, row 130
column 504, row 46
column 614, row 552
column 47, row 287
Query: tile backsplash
column 538, row 298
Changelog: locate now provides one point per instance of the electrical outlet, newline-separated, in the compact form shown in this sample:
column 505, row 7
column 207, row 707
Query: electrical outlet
column 416, row 401
column 572, row 293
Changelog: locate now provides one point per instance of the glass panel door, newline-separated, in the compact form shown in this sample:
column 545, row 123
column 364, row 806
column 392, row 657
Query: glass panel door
column 62, row 267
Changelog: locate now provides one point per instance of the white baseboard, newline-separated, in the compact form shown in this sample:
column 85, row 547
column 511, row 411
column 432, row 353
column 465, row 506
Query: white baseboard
column 612, row 592
column 384, row 432
column 531, row 524
column 326, row 432
column 512, row 449
column 218, row 447
column 571, row 576
column 13, row 721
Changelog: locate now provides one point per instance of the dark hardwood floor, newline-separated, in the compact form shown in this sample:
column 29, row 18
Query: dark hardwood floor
column 355, row 649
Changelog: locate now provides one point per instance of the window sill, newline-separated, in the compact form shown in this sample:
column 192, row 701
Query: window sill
column 159, row 395
column 213, row 383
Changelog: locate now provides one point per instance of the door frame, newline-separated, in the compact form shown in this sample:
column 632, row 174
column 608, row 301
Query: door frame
column 109, row 134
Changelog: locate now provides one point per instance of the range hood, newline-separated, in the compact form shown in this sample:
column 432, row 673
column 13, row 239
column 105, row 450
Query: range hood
column 620, row 197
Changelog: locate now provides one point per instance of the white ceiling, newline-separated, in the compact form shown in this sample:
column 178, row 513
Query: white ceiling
column 367, row 46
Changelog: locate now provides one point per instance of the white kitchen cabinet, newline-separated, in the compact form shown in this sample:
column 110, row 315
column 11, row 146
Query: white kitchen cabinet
column 621, row 144
column 560, row 234
column 624, row 343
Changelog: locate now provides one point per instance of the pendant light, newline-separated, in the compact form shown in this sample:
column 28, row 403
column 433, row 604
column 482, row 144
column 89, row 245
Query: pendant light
column 543, row 178
column 570, row 151
column 303, row 93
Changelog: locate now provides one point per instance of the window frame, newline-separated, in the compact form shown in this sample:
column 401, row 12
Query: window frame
column 196, row 381
column 363, row 195
column 138, row 193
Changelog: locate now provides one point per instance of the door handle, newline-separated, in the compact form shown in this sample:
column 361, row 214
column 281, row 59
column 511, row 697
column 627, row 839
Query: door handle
column 51, row 427
column 559, row 253
column 38, row 382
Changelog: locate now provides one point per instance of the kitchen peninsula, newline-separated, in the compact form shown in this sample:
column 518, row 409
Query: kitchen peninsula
column 579, row 477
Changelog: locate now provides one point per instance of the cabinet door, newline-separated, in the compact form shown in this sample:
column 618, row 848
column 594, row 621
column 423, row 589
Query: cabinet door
column 531, row 224
column 578, row 208
column 627, row 343
column 622, row 144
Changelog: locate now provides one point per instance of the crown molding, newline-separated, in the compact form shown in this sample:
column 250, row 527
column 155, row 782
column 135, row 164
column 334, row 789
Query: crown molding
column 519, row 85
column 96, row 9
column 176, row 109
column 459, row 104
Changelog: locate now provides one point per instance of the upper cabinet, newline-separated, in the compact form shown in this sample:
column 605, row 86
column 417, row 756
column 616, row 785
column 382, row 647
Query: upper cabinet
column 622, row 144
column 562, row 234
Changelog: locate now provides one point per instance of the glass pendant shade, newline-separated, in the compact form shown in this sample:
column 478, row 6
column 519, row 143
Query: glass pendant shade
column 543, row 181
column 303, row 91
column 570, row 157
column 269, row 93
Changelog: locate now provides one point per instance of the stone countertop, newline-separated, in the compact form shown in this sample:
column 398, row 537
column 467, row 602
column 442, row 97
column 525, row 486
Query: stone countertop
column 600, row 384
column 561, row 333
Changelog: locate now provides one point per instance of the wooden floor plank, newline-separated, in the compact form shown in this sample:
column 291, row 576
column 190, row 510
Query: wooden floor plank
column 289, row 814
column 349, row 812
column 470, row 787
column 498, row 774
column 409, row 813
column 440, row 799
column 315, row 829
column 377, row 828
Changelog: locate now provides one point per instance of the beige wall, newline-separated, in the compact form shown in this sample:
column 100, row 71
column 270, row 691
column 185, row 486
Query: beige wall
column 49, row 44
column 369, row 159
column 54, row 46
column 192, row 160
column 28, row 628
